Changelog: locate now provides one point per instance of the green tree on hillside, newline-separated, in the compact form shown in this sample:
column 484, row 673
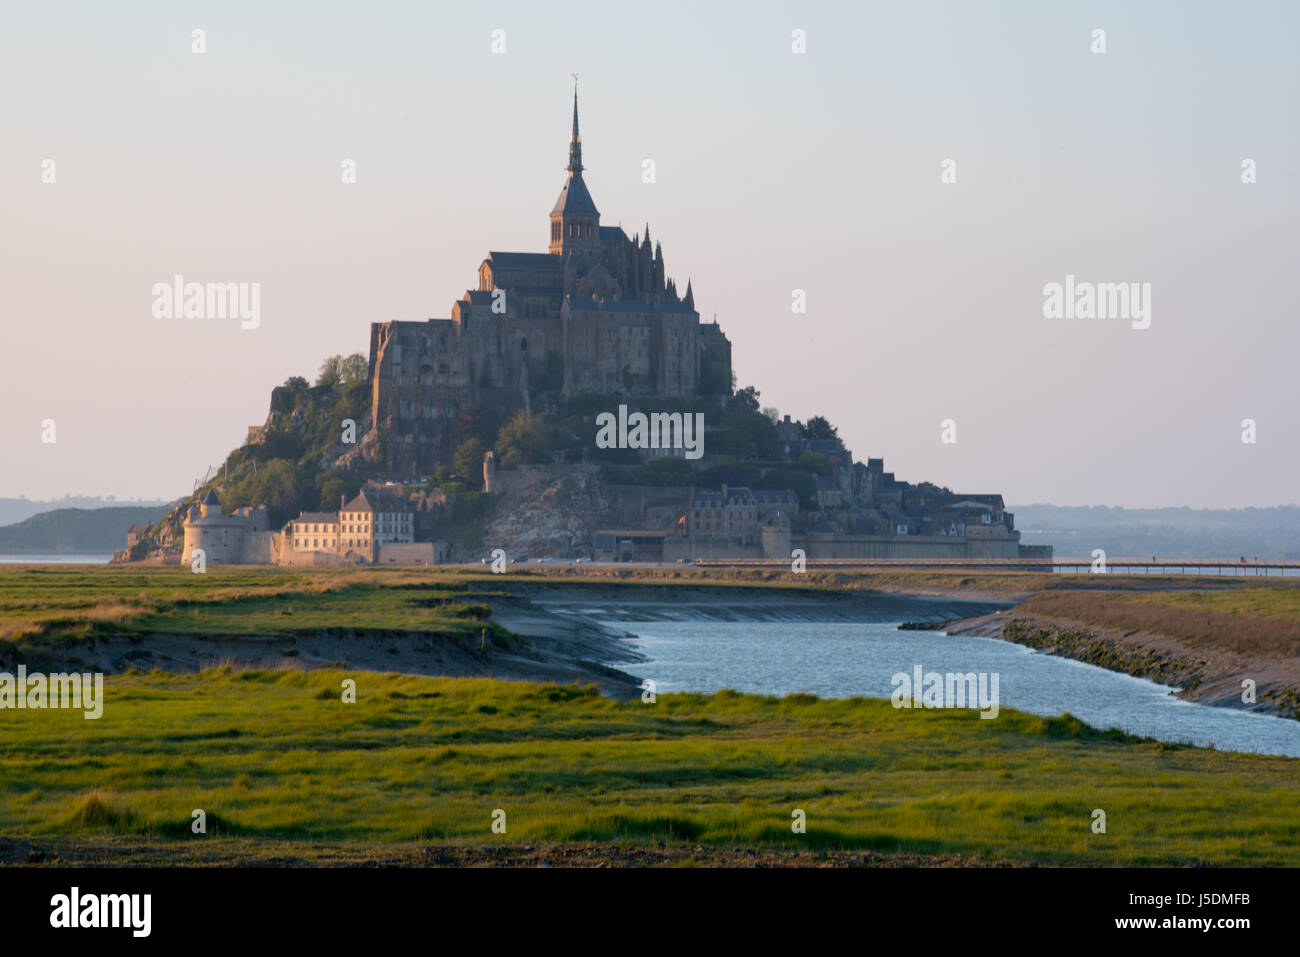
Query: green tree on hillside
column 819, row 427
column 525, row 439
column 468, row 461
column 815, row 462
column 343, row 370
column 272, row 486
column 334, row 487
column 745, row 400
column 749, row 435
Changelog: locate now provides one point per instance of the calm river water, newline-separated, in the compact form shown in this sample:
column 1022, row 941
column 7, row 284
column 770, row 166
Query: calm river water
column 687, row 651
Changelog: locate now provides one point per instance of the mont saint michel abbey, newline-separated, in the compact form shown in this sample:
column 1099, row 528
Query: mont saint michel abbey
column 595, row 313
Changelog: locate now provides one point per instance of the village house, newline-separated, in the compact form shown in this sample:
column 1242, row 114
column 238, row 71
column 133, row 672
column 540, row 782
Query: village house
column 731, row 514
column 376, row 526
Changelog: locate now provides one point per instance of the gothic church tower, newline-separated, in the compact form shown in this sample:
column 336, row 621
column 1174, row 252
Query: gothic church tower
column 575, row 221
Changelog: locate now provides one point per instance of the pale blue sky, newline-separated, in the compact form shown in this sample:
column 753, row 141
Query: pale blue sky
column 776, row 171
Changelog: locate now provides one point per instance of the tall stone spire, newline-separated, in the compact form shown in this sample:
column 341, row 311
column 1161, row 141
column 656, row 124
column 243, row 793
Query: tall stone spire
column 575, row 221
column 575, row 138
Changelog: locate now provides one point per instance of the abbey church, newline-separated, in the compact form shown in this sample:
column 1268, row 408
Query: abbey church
column 595, row 313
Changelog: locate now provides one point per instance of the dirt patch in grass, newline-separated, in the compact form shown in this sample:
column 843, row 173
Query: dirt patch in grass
column 236, row 852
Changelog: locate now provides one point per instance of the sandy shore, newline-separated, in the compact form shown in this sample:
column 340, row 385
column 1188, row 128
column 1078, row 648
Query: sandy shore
column 553, row 649
column 650, row 602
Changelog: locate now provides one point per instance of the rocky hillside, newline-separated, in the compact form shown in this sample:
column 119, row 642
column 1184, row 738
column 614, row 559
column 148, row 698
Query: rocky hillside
column 543, row 510
column 314, row 449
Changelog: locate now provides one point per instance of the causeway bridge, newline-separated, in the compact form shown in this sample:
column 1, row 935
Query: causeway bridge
column 1114, row 566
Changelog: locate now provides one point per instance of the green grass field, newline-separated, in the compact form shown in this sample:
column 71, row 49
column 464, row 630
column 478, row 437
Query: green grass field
column 42, row 607
column 277, row 759
column 283, row 767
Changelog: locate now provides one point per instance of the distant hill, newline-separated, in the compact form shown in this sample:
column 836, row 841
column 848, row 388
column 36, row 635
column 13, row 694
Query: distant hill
column 77, row 530
column 16, row 509
column 1074, row 531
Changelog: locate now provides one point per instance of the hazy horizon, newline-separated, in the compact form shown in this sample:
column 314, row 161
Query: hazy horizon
column 775, row 171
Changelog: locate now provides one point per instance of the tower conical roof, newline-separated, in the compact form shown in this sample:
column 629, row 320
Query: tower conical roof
column 574, row 199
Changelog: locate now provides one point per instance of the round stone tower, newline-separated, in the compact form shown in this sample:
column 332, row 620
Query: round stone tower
column 221, row 538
